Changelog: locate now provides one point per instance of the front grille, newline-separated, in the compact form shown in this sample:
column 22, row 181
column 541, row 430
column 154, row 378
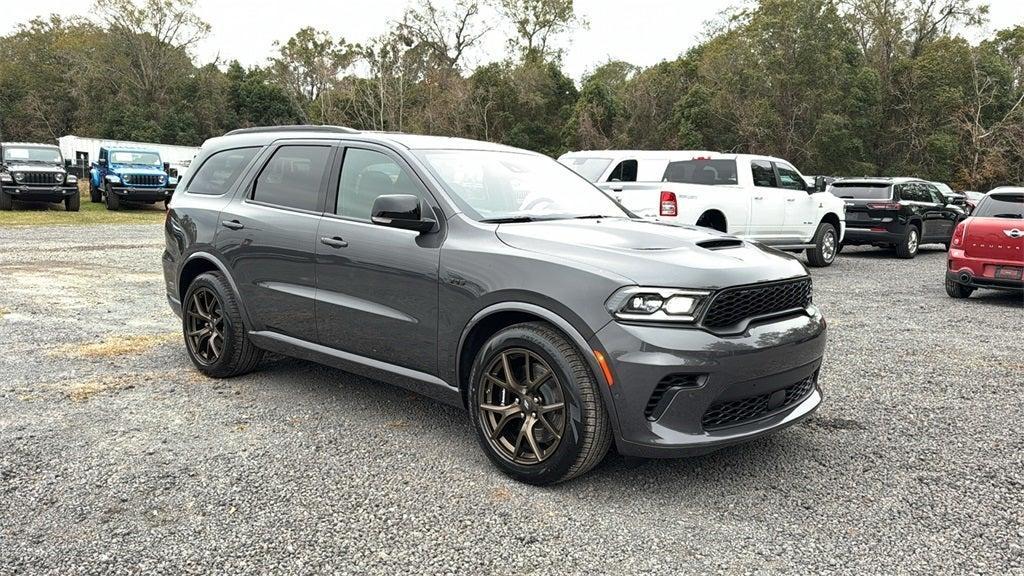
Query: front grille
column 143, row 180
column 735, row 412
column 734, row 305
column 654, row 409
column 41, row 179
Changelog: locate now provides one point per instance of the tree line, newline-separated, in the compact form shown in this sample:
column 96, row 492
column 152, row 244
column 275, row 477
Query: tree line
column 841, row 87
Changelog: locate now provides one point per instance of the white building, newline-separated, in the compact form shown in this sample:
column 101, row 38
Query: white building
column 81, row 151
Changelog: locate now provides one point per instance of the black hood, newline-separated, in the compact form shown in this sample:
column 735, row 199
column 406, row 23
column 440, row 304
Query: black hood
column 655, row 253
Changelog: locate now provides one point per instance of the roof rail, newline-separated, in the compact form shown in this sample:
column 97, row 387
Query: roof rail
column 294, row 128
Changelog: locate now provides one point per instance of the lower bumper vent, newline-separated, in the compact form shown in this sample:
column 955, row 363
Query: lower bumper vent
column 736, row 412
column 661, row 396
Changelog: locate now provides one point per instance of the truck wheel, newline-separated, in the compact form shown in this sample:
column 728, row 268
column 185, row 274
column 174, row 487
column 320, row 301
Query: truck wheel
column 536, row 406
column 826, row 246
column 957, row 290
column 215, row 337
column 95, row 196
column 6, row 201
column 73, row 203
column 113, row 202
column 907, row 248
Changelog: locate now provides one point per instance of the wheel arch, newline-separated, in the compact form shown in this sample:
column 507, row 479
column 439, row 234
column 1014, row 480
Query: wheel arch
column 716, row 216
column 491, row 319
column 199, row 263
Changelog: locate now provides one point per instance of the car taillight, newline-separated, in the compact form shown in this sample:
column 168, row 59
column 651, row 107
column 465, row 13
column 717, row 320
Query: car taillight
column 958, row 234
column 884, row 206
column 669, row 207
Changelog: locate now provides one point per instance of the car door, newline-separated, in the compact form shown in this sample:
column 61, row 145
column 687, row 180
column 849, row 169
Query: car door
column 767, row 202
column 267, row 234
column 942, row 216
column 800, row 220
column 377, row 287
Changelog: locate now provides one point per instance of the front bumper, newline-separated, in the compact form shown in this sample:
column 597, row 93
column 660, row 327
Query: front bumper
column 753, row 369
column 149, row 195
column 40, row 193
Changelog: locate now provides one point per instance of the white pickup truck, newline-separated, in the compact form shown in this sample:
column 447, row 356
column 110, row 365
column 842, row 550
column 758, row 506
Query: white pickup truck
column 756, row 197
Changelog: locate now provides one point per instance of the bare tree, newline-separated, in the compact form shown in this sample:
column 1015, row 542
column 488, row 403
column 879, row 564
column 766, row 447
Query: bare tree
column 445, row 33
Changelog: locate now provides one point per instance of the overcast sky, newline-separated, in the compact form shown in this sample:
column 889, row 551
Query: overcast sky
column 642, row 32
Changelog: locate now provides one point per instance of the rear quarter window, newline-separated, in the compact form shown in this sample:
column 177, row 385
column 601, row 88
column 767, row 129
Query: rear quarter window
column 220, row 171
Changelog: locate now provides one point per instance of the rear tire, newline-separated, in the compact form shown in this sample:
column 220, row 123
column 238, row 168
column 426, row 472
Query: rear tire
column 225, row 351
column 957, row 290
column 6, row 201
column 113, row 201
column 825, row 246
column 908, row 247
column 538, row 429
column 73, row 203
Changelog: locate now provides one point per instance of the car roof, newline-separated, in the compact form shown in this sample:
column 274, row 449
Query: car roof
column 29, row 145
column 1004, row 189
column 129, row 149
column 877, row 180
column 268, row 135
column 670, row 155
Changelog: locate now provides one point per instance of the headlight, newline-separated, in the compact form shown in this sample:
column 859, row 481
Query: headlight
column 19, row 176
column 58, row 178
column 126, row 178
column 113, row 178
column 656, row 304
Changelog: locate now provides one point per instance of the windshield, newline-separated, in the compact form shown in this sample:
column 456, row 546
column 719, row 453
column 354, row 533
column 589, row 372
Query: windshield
column 944, row 188
column 707, row 172
column 866, row 190
column 32, row 154
column 125, row 157
column 1001, row 206
column 589, row 168
column 500, row 186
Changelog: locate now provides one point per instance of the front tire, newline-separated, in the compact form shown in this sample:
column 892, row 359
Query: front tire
column 6, row 201
column 826, row 243
column 113, row 201
column 73, row 203
column 215, row 336
column 907, row 248
column 536, row 406
column 957, row 290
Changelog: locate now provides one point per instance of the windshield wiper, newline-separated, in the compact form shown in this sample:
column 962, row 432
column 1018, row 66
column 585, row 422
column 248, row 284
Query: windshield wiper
column 1014, row 216
column 510, row 220
column 595, row 217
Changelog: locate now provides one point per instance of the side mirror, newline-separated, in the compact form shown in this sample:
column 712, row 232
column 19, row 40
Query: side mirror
column 400, row 211
column 102, row 162
column 820, row 184
column 167, row 167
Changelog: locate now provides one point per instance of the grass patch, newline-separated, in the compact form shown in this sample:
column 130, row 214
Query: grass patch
column 117, row 346
column 41, row 214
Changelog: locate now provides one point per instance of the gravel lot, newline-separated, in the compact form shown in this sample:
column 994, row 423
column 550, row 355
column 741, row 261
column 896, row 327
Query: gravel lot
column 116, row 457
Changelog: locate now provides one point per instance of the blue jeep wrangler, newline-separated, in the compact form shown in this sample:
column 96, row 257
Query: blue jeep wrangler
column 130, row 175
column 35, row 173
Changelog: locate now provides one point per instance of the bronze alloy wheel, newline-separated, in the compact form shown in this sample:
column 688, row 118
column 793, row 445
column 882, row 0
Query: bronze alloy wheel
column 522, row 407
column 205, row 326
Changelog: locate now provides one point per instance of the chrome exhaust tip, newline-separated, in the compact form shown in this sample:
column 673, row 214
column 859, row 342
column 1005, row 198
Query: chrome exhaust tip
column 965, row 277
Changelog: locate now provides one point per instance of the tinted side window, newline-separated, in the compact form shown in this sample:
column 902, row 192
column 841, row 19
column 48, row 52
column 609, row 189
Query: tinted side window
column 763, row 174
column 219, row 172
column 292, row 177
column 624, row 172
column 365, row 175
column 913, row 193
column 934, row 195
column 790, row 178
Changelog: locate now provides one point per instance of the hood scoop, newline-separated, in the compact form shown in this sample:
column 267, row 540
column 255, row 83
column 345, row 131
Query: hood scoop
column 720, row 243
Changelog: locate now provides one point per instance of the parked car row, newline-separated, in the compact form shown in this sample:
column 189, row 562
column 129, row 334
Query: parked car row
column 33, row 172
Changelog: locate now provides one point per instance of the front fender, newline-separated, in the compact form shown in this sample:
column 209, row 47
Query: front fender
column 587, row 348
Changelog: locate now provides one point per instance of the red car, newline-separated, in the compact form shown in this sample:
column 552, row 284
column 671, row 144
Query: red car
column 987, row 249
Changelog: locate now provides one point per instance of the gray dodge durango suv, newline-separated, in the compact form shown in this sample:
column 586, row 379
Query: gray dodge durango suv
column 491, row 278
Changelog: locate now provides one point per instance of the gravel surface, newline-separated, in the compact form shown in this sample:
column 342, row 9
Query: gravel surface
column 117, row 457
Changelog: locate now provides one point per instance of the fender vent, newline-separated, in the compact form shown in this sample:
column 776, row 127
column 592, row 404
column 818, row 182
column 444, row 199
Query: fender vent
column 720, row 243
column 666, row 389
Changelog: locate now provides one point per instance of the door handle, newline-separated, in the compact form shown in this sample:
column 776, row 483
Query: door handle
column 333, row 242
column 232, row 224
column 790, row 199
column 758, row 197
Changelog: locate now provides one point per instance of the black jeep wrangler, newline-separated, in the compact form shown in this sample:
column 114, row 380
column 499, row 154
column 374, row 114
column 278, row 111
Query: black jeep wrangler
column 35, row 173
